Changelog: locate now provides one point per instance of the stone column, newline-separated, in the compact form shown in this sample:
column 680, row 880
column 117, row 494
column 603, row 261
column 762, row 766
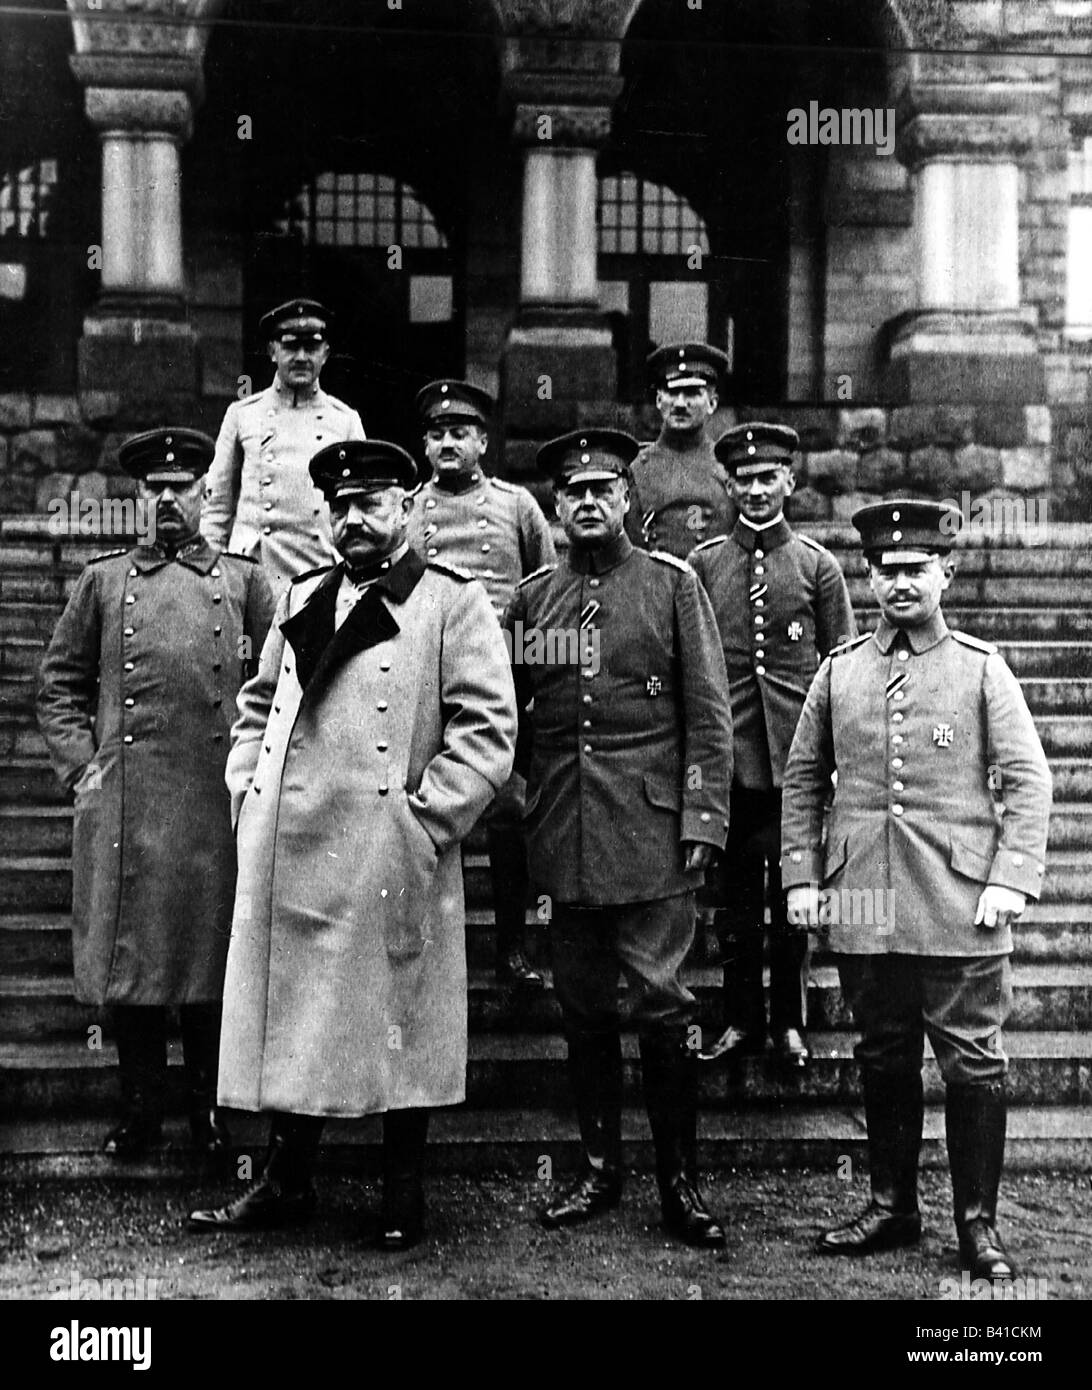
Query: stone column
column 559, row 362
column 136, row 341
column 969, row 338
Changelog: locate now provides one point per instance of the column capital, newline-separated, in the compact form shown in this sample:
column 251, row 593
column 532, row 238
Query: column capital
column 549, row 126
column 140, row 111
column 955, row 117
column 169, row 72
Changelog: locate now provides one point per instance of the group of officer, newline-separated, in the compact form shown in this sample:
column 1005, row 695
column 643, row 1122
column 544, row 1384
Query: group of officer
column 709, row 716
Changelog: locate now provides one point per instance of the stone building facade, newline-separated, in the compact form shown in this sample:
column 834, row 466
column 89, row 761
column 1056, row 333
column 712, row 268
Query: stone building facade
column 534, row 193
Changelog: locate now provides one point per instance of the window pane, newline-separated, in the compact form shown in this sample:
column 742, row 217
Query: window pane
column 677, row 310
column 430, row 299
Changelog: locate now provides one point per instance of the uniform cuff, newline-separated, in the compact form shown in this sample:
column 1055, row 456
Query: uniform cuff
column 800, row 866
column 704, row 827
column 1021, row 872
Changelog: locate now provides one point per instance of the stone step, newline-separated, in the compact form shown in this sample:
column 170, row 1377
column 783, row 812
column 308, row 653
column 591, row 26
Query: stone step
column 44, row 883
column 461, row 1139
column 1047, row 659
column 30, row 782
column 1072, row 779
column 1049, row 1068
column 1031, row 589
column 1058, row 694
column 1047, row 998
column 1008, row 623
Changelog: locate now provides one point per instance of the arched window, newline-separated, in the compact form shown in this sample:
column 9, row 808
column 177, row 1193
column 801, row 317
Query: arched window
column 653, row 272
column 361, row 210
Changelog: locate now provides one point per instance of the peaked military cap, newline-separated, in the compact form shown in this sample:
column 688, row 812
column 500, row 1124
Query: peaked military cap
column 750, row 447
column 167, row 456
column 588, row 455
column 366, row 465
column 303, row 318
column 686, row 364
column 907, row 529
column 457, row 401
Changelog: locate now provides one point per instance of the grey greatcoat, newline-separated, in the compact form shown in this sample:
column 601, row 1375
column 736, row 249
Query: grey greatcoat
column 364, row 757
column 136, row 697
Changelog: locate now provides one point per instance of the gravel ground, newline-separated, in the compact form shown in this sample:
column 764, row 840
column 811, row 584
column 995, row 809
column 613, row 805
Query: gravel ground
column 484, row 1243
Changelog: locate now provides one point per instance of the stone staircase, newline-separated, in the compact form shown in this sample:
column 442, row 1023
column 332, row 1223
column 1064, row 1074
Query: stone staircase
column 56, row 1093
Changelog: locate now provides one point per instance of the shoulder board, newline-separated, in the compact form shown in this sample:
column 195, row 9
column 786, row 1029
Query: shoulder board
column 249, row 560
column 713, row 540
column 252, row 397
column 307, row 574
column 849, row 646
column 809, row 541
column 536, row 574
column 454, row 570
column 502, row 486
column 666, row 559
column 975, row 642
column 109, row 555
column 339, row 404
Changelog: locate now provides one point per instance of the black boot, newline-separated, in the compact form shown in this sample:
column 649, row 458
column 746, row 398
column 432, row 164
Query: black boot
column 141, row 1034
column 744, row 1008
column 669, row 1074
column 200, row 1050
column 402, row 1222
column 284, row 1192
column 508, row 869
column 595, row 1072
column 975, row 1119
column 789, row 995
column 894, row 1113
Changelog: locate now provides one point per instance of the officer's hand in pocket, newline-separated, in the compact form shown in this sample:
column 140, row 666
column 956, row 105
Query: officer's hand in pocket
column 802, row 906
column 999, row 906
column 696, row 856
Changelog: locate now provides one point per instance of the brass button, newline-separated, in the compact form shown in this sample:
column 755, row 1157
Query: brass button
column 383, row 789
column 796, row 856
column 897, row 717
column 381, row 705
column 129, row 631
column 896, row 763
column 587, row 699
column 267, row 530
column 130, row 703
column 593, row 583
column 904, row 656
column 705, row 818
column 128, row 666
column 130, row 598
column 127, row 739
column 760, row 554
column 760, row 670
column 381, row 747
column 896, row 810
column 897, row 787
column 587, row 748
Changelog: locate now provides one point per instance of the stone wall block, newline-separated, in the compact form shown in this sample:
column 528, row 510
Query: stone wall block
column 808, row 505
column 15, row 412
column 862, row 429
column 54, row 487
column 1002, row 427
column 977, row 469
column 932, row 471
column 832, row 472
column 34, row 453
column 881, row 471
column 848, row 503
column 1025, row 469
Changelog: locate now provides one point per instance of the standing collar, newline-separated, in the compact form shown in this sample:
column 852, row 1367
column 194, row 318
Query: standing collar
column 920, row 639
column 603, row 558
column 292, row 397
column 196, row 554
column 769, row 537
column 464, row 482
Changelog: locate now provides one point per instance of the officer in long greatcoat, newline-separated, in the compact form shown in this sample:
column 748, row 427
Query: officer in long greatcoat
column 781, row 604
column 920, row 873
column 136, row 697
column 261, row 500
column 678, row 492
column 379, row 727
column 627, row 799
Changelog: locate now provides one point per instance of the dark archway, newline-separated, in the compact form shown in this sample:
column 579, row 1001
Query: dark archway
column 352, row 112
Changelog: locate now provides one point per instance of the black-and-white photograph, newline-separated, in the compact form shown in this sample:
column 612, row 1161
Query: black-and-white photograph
column 545, row 661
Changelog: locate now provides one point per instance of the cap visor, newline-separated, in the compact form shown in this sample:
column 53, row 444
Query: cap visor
column 589, row 475
column 672, row 383
column 760, row 464
column 365, row 485
column 172, row 475
column 906, row 557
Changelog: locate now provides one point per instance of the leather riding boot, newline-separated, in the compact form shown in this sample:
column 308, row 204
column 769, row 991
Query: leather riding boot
column 508, row 869
column 200, row 1051
column 595, row 1073
column 402, row 1221
column 141, row 1035
column 283, row 1192
column 670, row 1078
column 975, row 1120
column 789, row 995
column 744, row 1009
column 894, row 1114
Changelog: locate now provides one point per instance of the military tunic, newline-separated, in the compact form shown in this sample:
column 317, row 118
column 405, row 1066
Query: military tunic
column 918, row 726
column 260, row 500
column 153, row 856
column 493, row 529
column 632, row 749
column 781, row 604
column 678, row 498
